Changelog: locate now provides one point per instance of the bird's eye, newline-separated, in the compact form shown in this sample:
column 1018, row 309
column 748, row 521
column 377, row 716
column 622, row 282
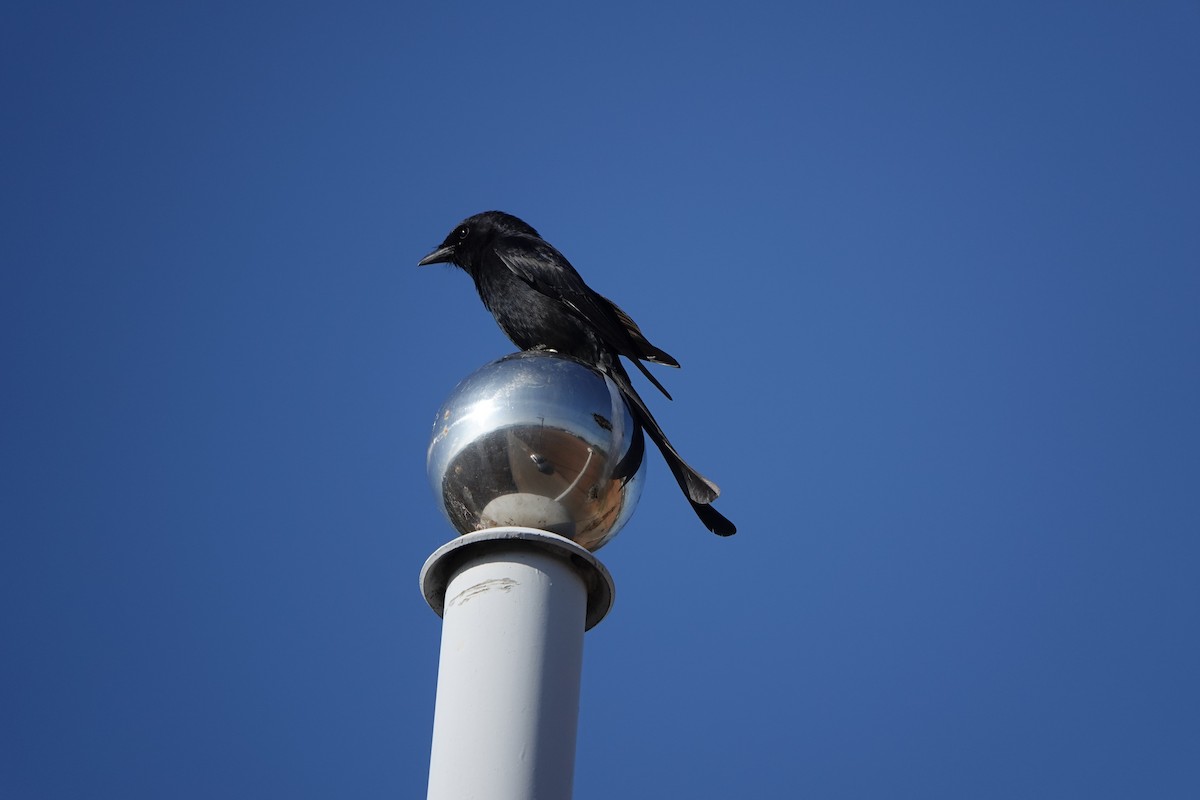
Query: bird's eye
column 462, row 232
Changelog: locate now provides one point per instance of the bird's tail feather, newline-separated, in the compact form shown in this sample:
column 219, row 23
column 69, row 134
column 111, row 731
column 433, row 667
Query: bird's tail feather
column 652, row 379
column 713, row 519
column 698, row 488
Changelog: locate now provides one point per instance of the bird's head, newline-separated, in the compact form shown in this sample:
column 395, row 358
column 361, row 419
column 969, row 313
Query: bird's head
column 465, row 245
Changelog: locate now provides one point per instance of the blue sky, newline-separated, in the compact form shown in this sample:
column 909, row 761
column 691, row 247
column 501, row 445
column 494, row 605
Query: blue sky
column 932, row 271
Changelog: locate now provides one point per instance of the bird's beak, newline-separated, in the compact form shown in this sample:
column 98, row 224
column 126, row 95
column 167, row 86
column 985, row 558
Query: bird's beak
column 442, row 255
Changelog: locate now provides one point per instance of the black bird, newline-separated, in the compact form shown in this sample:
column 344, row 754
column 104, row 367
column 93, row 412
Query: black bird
column 541, row 303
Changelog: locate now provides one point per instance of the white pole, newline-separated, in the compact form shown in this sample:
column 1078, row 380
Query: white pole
column 515, row 603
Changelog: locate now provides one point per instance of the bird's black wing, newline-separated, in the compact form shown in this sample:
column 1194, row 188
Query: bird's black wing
column 539, row 264
column 547, row 270
column 647, row 351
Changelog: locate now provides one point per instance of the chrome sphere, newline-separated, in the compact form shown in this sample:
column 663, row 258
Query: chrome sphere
column 537, row 440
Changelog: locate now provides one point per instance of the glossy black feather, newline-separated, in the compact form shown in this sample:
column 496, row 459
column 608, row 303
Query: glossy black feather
column 542, row 303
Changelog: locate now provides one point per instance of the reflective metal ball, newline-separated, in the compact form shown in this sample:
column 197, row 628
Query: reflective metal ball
column 537, row 440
